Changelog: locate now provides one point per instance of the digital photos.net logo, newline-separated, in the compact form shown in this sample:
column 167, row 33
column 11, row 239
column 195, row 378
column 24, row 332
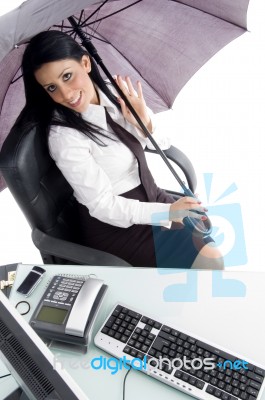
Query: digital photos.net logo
column 163, row 363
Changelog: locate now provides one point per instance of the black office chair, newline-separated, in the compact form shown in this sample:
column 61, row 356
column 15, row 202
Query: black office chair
column 47, row 200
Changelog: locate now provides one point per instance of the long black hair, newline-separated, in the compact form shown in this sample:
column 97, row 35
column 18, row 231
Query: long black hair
column 40, row 110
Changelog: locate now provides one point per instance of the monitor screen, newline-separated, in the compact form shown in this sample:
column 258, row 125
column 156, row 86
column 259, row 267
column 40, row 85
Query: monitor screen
column 29, row 360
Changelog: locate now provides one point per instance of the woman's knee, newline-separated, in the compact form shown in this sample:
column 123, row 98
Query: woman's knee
column 209, row 257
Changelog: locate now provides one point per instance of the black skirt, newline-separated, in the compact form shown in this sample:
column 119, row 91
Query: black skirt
column 143, row 245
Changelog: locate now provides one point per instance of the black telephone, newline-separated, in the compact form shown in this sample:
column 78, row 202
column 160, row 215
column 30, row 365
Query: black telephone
column 67, row 310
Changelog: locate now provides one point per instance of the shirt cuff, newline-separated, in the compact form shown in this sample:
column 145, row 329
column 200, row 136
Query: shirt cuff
column 153, row 214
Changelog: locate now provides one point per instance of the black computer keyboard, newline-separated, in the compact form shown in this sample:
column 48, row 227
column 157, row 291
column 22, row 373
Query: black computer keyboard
column 179, row 359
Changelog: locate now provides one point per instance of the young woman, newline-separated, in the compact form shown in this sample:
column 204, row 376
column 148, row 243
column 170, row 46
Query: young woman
column 98, row 146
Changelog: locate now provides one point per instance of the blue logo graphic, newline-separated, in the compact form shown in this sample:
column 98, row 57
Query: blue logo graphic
column 230, row 216
column 228, row 233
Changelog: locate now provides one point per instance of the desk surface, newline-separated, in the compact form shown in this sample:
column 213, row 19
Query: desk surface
column 224, row 308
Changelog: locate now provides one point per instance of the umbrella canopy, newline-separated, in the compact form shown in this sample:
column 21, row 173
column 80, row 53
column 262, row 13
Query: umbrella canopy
column 161, row 42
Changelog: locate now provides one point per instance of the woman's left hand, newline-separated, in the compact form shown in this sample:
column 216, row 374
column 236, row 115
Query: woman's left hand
column 136, row 99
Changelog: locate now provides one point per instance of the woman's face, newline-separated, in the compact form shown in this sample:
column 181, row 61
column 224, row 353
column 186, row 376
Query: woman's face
column 68, row 83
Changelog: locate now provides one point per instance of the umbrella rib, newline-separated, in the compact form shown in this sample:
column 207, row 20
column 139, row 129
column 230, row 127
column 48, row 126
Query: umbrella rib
column 110, row 15
column 93, row 13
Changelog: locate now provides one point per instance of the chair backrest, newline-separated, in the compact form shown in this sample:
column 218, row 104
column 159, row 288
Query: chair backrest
column 38, row 186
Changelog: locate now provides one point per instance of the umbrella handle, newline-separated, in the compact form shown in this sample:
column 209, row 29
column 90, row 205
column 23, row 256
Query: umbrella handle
column 201, row 227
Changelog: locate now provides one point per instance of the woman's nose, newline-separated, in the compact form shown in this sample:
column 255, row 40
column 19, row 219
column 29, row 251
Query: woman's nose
column 66, row 93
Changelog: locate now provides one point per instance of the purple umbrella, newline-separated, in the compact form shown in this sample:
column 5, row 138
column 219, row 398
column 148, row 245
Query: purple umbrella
column 161, row 42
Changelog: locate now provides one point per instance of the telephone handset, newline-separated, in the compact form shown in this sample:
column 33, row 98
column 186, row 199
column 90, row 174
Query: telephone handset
column 68, row 308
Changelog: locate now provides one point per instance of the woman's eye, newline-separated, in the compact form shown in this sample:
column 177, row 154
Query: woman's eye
column 51, row 88
column 67, row 76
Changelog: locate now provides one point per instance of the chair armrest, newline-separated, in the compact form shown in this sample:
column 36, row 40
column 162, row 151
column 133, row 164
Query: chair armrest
column 74, row 252
column 179, row 158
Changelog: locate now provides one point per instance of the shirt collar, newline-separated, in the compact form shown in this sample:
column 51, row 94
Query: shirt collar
column 96, row 113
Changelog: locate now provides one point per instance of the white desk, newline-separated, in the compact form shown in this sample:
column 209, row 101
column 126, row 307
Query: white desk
column 232, row 322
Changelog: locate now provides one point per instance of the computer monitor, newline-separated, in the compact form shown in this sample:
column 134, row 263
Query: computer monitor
column 29, row 360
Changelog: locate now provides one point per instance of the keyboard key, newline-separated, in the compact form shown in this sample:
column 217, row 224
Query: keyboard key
column 140, row 355
column 110, row 322
column 200, row 384
column 167, row 336
column 131, row 342
column 117, row 335
column 185, row 377
column 150, row 322
column 117, row 311
column 153, row 363
column 225, row 396
column 252, row 392
column 167, row 368
column 148, row 328
column 236, row 392
column 214, row 381
column 255, row 377
column 192, row 381
column 259, row 371
column 134, row 353
column 210, row 389
column 157, row 325
column 152, row 352
column 166, row 329
column 151, row 336
column 255, row 385
column 127, row 350
column 243, row 379
column 144, row 348
column 178, row 374
column 159, row 343
column 217, row 393
column 134, row 314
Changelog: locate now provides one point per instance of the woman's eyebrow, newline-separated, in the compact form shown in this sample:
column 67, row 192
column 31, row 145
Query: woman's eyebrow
column 48, row 84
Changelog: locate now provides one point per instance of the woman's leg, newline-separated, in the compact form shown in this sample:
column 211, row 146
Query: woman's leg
column 209, row 258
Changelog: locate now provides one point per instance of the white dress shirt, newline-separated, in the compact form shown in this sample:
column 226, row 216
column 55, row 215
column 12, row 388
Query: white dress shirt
column 98, row 174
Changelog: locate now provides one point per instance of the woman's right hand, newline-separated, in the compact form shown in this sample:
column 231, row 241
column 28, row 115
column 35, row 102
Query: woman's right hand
column 186, row 207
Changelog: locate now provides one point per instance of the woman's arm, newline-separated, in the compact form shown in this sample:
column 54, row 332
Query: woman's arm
column 137, row 100
column 92, row 187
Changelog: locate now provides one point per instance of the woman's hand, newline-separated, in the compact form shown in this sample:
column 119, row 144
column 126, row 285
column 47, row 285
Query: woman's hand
column 136, row 99
column 186, row 207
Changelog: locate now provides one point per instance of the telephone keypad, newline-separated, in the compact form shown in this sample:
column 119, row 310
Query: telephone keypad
column 64, row 289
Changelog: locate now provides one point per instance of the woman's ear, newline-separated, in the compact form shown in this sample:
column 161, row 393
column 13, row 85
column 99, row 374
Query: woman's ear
column 86, row 63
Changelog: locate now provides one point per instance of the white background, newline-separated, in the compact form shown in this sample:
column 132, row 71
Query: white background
column 218, row 120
